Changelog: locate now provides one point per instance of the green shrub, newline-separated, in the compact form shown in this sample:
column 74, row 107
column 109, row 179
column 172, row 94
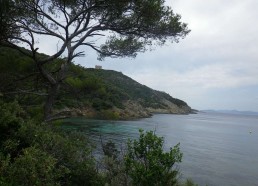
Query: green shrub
column 34, row 153
column 10, row 120
column 113, row 166
column 100, row 104
column 71, row 150
column 189, row 182
column 147, row 163
column 35, row 167
column 109, row 115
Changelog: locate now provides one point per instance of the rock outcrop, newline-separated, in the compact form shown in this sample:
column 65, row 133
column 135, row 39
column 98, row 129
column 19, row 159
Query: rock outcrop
column 112, row 95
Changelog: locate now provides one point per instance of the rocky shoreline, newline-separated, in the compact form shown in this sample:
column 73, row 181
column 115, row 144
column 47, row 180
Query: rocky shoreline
column 132, row 110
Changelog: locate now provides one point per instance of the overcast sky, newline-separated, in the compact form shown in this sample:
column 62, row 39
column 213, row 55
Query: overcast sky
column 214, row 67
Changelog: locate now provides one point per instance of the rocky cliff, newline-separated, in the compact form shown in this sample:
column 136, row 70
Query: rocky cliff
column 111, row 95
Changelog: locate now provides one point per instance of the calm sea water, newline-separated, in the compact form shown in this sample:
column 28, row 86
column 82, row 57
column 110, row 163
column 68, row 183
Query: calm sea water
column 219, row 149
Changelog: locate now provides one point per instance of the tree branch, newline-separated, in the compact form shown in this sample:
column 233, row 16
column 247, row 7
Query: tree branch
column 99, row 51
column 43, row 13
column 11, row 45
column 27, row 92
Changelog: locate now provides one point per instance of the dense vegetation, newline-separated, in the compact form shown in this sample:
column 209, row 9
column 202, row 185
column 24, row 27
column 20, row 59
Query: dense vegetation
column 104, row 92
column 125, row 88
column 36, row 153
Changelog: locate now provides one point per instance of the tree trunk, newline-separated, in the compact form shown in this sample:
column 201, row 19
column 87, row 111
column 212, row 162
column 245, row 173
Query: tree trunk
column 54, row 83
column 48, row 108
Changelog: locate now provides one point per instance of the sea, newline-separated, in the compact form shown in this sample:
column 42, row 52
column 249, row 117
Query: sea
column 219, row 149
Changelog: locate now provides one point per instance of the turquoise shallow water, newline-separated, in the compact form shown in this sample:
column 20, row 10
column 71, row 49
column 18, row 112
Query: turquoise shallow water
column 218, row 148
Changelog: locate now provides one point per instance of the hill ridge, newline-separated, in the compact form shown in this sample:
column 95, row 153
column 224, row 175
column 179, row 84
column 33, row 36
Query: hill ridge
column 135, row 100
column 88, row 92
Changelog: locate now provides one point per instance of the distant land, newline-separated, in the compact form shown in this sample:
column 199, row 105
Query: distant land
column 232, row 112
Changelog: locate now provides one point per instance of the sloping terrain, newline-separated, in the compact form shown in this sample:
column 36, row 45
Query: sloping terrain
column 93, row 93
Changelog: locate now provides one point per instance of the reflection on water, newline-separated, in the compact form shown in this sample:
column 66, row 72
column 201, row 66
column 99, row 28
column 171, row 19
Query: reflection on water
column 218, row 148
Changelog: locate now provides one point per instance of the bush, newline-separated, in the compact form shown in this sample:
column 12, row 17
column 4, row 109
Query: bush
column 34, row 153
column 109, row 115
column 147, row 163
column 10, row 120
column 70, row 149
column 113, row 166
column 35, row 167
column 189, row 182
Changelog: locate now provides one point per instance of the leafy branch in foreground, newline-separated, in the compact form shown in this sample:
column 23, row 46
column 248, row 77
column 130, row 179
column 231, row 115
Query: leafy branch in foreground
column 148, row 164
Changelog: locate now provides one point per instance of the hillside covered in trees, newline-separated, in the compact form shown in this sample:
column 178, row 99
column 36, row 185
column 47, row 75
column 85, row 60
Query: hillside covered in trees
column 93, row 93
